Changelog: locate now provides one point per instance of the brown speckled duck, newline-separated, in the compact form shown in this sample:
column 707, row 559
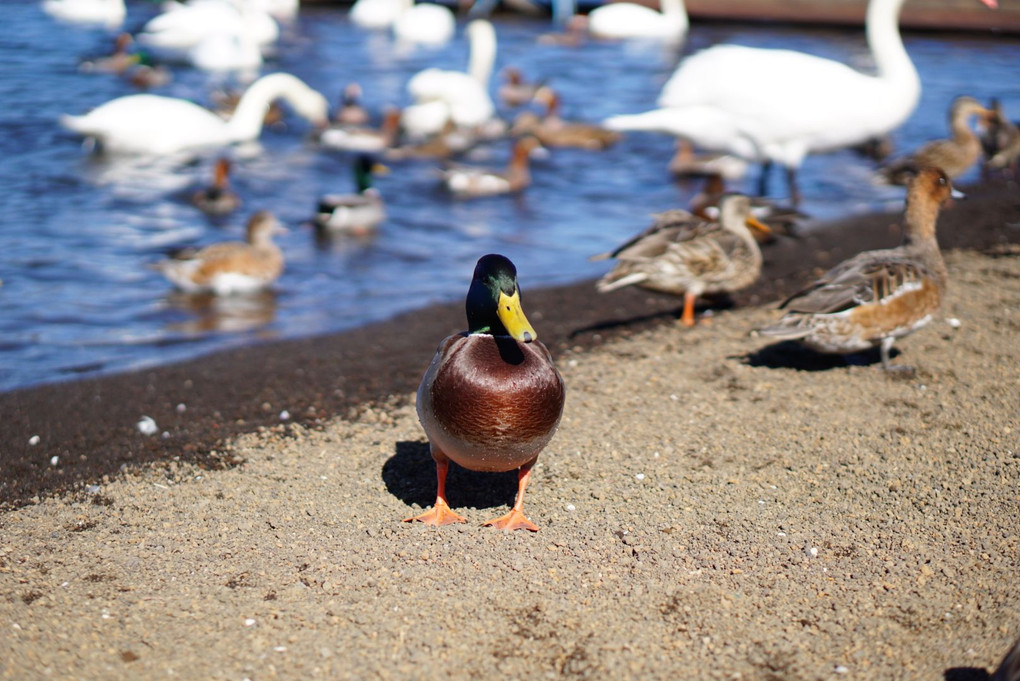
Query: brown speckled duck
column 877, row 296
column 955, row 155
column 492, row 398
column 231, row 267
column 553, row 131
column 686, row 255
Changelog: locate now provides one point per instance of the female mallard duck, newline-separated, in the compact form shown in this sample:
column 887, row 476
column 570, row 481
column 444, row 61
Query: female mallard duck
column 231, row 267
column 217, row 198
column 491, row 398
column 876, row 296
column 552, row 131
column 683, row 254
column 955, row 155
column 468, row 181
column 354, row 213
column 779, row 219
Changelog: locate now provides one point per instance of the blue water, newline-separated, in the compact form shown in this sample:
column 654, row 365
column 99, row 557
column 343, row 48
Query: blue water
column 77, row 232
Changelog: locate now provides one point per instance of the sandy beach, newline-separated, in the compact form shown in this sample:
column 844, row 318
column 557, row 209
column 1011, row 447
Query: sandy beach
column 713, row 505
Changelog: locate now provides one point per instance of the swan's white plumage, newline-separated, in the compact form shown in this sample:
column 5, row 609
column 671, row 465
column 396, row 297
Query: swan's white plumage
column 226, row 51
column 109, row 13
column 627, row 20
column 425, row 24
column 181, row 27
column 464, row 98
column 376, row 14
column 780, row 105
column 153, row 124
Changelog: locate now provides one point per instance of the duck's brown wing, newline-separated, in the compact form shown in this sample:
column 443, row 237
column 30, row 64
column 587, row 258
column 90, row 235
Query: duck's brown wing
column 668, row 228
column 868, row 278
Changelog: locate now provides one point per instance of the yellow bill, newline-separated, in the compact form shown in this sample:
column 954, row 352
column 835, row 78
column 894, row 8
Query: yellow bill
column 511, row 314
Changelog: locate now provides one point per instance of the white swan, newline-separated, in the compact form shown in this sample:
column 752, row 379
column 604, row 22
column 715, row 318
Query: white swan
column 425, row 24
column 230, row 50
column 623, row 20
column 376, row 14
column 179, row 29
column 455, row 95
column 151, row 124
column 109, row 13
column 778, row 106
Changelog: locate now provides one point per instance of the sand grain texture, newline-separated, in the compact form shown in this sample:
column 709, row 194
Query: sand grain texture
column 712, row 507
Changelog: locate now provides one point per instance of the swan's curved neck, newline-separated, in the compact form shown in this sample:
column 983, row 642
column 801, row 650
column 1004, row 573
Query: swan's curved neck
column 883, row 30
column 673, row 8
column 483, row 55
column 246, row 123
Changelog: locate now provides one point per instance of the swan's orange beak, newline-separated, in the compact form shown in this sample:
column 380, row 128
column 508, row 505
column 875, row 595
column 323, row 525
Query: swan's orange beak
column 991, row 3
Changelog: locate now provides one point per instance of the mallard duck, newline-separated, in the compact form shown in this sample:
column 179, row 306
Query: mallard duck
column 492, row 398
column 217, row 198
column 354, row 213
column 350, row 112
column 779, row 219
column 685, row 255
column 955, row 155
column 363, row 138
column 469, row 181
column 877, row 296
column 231, row 267
column 552, row 131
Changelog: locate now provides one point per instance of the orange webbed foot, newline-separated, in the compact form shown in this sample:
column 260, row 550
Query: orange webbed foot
column 440, row 514
column 514, row 520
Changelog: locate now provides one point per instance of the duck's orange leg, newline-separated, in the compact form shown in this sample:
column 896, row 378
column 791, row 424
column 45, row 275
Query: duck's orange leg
column 688, row 315
column 515, row 520
column 440, row 513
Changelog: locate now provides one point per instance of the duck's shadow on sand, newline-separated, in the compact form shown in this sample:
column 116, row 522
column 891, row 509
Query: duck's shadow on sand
column 793, row 355
column 966, row 674
column 410, row 475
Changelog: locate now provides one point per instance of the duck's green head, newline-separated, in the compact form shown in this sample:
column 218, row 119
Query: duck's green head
column 364, row 167
column 494, row 301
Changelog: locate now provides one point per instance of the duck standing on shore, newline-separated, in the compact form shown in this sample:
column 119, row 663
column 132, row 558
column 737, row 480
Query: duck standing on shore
column 685, row 255
column 877, row 296
column 492, row 398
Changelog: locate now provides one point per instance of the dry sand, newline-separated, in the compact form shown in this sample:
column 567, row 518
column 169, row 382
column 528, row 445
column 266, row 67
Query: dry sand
column 711, row 507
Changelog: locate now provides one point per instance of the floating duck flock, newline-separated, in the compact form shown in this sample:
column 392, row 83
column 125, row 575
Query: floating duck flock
column 729, row 107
